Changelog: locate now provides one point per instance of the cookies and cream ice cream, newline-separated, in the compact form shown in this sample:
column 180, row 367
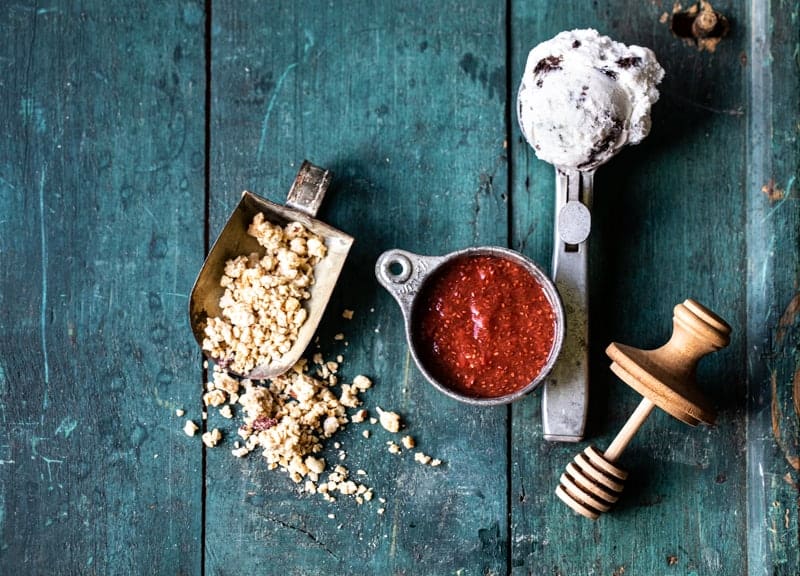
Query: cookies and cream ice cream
column 584, row 96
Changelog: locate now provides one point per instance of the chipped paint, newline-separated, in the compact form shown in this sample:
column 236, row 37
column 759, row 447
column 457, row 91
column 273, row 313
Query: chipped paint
column 772, row 191
column 776, row 416
column 788, row 318
column 796, row 391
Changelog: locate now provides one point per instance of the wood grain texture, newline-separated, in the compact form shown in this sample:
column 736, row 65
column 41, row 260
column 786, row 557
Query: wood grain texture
column 101, row 172
column 405, row 102
column 669, row 219
column 773, row 299
column 103, row 131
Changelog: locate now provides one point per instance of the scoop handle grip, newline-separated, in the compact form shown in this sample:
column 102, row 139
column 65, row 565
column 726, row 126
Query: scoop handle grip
column 566, row 391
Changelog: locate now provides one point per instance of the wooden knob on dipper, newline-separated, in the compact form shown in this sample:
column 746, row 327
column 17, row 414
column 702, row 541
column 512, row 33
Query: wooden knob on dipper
column 666, row 378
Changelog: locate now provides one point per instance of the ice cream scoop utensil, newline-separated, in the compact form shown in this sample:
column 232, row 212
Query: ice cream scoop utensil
column 302, row 203
column 582, row 98
column 666, row 378
column 565, row 397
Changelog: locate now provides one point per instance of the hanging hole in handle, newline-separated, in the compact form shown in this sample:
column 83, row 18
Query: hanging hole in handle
column 397, row 268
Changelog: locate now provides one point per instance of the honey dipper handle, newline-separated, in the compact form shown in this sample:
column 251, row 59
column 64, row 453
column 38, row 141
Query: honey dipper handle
column 629, row 430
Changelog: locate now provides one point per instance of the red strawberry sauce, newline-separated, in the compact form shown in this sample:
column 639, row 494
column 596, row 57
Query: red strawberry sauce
column 483, row 326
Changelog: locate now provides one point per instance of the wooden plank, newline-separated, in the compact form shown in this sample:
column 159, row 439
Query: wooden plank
column 101, row 171
column 773, row 300
column 668, row 224
column 405, row 102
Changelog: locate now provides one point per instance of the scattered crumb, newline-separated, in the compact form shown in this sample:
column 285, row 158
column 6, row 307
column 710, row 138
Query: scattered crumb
column 331, row 516
column 226, row 412
column 381, row 511
column 347, row 314
column 373, row 420
column 408, row 442
column 339, row 358
column 362, row 383
column 389, row 420
column 339, row 336
column 204, row 415
column 393, row 448
column 241, row 451
column 422, row 458
column 180, row 412
column 190, row 428
column 359, row 416
column 212, row 438
column 365, row 433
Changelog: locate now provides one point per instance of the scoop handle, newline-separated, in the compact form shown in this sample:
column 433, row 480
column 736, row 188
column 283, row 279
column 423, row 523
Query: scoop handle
column 566, row 391
column 309, row 188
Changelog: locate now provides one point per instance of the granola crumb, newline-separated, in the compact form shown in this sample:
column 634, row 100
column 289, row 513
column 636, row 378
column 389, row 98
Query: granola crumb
column 393, row 448
column 204, row 415
column 212, row 438
column 381, row 511
column 347, row 314
column 389, row 420
column 339, row 358
column 180, row 412
column 373, row 420
column 408, row 442
column 190, row 428
column 422, row 458
column 359, row 416
column 362, row 383
column 241, row 452
column 339, row 336
column 365, row 433
column 436, row 462
column 226, row 412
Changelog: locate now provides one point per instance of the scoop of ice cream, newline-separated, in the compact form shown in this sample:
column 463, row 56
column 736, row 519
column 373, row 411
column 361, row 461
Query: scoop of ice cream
column 584, row 96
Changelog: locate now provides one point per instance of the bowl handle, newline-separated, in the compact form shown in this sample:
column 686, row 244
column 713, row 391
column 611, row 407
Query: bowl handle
column 402, row 274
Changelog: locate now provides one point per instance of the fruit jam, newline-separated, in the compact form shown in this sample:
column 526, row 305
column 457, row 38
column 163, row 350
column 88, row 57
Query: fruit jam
column 483, row 326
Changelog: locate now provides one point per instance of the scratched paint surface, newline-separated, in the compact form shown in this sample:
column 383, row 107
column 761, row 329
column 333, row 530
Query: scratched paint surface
column 103, row 210
column 101, row 171
column 406, row 105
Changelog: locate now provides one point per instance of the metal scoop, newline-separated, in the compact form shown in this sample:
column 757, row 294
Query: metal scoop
column 302, row 204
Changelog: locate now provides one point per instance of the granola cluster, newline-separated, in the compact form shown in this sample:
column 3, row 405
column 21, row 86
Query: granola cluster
column 262, row 306
column 289, row 418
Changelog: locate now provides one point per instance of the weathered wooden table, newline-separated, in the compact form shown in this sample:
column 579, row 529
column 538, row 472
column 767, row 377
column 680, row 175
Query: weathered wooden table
column 129, row 130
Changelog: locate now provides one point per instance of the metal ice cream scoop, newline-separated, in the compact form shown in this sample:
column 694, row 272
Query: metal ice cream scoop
column 582, row 98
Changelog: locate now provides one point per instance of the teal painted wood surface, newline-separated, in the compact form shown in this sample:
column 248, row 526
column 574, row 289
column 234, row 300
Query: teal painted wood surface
column 117, row 167
column 101, row 171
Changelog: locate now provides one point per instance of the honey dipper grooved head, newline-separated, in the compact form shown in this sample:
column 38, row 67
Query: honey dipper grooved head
column 591, row 484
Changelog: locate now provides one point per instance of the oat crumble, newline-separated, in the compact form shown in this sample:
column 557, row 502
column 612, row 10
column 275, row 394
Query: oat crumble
column 389, row 420
column 212, row 438
column 190, row 428
column 262, row 306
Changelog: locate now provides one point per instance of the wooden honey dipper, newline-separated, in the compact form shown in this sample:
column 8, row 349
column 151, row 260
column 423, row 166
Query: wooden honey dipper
column 666, row 378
